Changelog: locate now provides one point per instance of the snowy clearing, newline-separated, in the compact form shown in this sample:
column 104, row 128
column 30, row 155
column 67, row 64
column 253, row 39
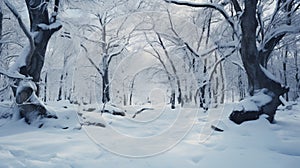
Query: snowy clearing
column 155, row 138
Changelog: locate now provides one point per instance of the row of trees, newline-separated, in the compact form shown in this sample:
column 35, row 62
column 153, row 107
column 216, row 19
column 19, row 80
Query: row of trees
column 202, row 55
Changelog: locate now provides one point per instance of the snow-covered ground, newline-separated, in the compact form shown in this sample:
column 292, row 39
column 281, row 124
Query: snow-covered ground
column 157, row 137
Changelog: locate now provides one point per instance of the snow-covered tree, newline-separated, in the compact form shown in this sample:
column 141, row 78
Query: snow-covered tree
column 26, row 70
column 106, row 32
column 258, row 37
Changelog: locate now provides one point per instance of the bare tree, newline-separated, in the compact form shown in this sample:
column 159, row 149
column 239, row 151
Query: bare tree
column 110, row 38
column 255, row 50
column 211, row 83
column 171, row 74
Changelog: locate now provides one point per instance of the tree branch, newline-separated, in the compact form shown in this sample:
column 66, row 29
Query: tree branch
column 236, row 6
column 25, row 30
column 217, row 7
column 91, row 61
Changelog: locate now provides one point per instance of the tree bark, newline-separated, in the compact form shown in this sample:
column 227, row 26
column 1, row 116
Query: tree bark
column 105, row 86
column 38, row 14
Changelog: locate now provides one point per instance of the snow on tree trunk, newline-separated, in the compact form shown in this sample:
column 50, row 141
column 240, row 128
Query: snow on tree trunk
column 43, row 28
column 30, row 107
column 31, row 61
column 258, row 77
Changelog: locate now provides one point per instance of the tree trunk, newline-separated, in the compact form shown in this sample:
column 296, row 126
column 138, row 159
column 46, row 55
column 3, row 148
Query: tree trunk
column 222, row 89
column 42, row 27
column 297, row 75
column 172, row 99
column 257, row 78
column 105, row 87
column 284, row 64
column 203, row 89
column 131, row 91
column 241, row 87
column 45, row 87
column 59, row 97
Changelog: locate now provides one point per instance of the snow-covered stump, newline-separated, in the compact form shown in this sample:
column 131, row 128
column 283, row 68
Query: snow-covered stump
column 29, row 106
column 262, row 102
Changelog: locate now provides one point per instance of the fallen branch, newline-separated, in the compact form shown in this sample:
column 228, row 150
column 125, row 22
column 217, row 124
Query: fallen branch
column 141, row 110
column 87, row 123
column 113, row 112
column 216, row 128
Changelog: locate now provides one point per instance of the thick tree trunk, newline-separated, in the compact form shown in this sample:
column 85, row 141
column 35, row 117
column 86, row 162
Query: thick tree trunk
column 30, row 107
column 38, row 14
column 258, row 79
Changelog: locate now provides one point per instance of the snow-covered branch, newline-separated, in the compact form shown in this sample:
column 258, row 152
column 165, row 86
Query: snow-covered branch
column 214, row 67
column 27, row 56
column 116, row 53
column 11, row 42
column 281, row 30
column 215, row 6
column 11, row 74
column 91, row 61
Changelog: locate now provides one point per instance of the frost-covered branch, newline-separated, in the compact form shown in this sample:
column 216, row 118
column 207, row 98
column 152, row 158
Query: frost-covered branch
column 238, row 65
column 215, row 6
column 91, row 40
column 28, row 34
column 11, row 42
column 273, row 38
column 121, row 47
column 116, row 53
column 157, row 55
column 177, row 40
column 213, row 69
column 11, row 74
column 91, row 61
column 281, row 30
